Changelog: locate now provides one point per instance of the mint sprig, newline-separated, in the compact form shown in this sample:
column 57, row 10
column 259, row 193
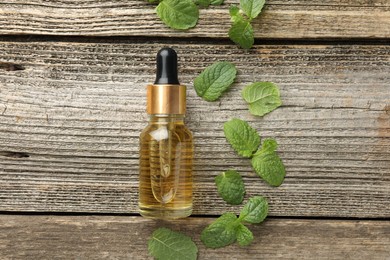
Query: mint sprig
column 215, row 80
column 265, row 161
column 230, row 187
column 228, row 229
column 241, row 31
column 166, row 244
column 184, row 14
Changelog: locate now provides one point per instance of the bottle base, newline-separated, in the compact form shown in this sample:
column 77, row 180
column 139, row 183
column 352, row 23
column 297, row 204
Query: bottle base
column 164, row 213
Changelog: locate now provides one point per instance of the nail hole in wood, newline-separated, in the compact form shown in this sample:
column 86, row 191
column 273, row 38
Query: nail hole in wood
column 14, row 154
column 8, row 66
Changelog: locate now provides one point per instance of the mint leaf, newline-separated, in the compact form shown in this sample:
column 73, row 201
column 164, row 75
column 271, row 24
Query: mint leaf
column 263, row 97
column 178, row 14
column 242, row 137
column 255, row 211
column 221, row 232
column 241, row 32
column 252, row 8
column 166, row 244
column 217, row 2
column 268, row 165
column 269, row 145
column 230, row 187
column 214, row 80
column 244, row 235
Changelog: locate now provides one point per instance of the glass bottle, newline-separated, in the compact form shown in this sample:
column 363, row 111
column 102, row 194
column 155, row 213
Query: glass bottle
column 166, row 146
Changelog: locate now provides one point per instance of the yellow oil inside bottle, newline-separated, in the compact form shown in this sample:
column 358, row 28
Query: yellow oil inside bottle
column 166, row 157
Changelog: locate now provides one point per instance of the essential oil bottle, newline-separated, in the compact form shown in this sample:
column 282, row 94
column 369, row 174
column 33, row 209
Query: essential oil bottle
column 166, row 146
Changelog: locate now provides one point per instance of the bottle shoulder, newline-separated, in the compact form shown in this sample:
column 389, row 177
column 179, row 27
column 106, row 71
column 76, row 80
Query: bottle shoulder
column 149, row 128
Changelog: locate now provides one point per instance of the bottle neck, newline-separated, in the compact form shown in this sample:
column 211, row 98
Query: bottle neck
column 162, row 118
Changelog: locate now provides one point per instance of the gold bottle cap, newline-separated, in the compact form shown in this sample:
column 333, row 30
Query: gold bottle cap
column 166, row 95
column 166, row 99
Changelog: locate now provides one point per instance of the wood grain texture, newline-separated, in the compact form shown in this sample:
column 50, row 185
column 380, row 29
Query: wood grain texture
column 101, row 237
column 71, row 117
column 280, row 19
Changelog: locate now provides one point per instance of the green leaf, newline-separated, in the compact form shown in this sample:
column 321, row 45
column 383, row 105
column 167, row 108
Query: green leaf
column 269, row 145
column 228, row 228
column 221, row 232
column 244, row 235
column 214, row 80
column 230, row 187
column 204, row 3
column 166, row 244
column 268, row 165
column 252, row 8
column 217, row 2
column 178, row 14
column 242, row 137
column 263, row 97
column 235, row 15
column 241, row 32
column 255, row 211
column 234, row 11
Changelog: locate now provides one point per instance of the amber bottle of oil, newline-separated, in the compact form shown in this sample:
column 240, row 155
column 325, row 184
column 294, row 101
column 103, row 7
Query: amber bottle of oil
column 166, row 146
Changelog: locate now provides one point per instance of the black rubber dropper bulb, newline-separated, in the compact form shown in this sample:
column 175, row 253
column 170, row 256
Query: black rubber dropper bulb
column 166, row 67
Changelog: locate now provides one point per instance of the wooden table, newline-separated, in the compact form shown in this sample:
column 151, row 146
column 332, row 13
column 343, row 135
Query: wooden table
column 72, row 101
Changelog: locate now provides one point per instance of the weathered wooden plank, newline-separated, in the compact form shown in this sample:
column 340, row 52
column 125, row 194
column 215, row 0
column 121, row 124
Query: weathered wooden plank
column 71, row 115
column 103, row 237
column 281, row 19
